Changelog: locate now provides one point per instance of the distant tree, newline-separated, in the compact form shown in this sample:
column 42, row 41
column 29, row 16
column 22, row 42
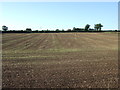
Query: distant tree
column 36, row 30
column 98, row 27
column 90, row 29
column 42, row 31
column 28, row 29
column 21, row 30
column 47, row 30
column 57, row 30
column 87, row 27
column 78, row 29
column 63, row 30
column 74, row 28
column 69, row 30
column 4, row 28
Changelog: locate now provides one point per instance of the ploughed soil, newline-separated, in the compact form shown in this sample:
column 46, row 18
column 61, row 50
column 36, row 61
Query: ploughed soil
column 60, row 60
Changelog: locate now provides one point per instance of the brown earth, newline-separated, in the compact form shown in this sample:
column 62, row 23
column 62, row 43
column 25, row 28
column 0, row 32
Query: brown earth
column 60, row 60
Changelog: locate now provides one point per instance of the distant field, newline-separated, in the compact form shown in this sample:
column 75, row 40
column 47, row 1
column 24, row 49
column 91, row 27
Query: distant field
column 60, row 60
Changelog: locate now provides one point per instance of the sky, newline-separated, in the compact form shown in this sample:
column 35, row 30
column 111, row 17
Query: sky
column 119, row 15
column 58, row 15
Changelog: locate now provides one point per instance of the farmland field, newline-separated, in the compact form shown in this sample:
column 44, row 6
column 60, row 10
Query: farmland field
column 60, row 60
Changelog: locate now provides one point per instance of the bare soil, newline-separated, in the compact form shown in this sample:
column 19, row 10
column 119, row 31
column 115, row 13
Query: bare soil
column 60, row 60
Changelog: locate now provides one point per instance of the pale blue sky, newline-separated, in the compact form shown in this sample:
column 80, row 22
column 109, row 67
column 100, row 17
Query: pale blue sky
column 59, row 15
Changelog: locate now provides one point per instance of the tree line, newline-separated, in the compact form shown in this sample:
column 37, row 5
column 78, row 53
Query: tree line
column 97, row 28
